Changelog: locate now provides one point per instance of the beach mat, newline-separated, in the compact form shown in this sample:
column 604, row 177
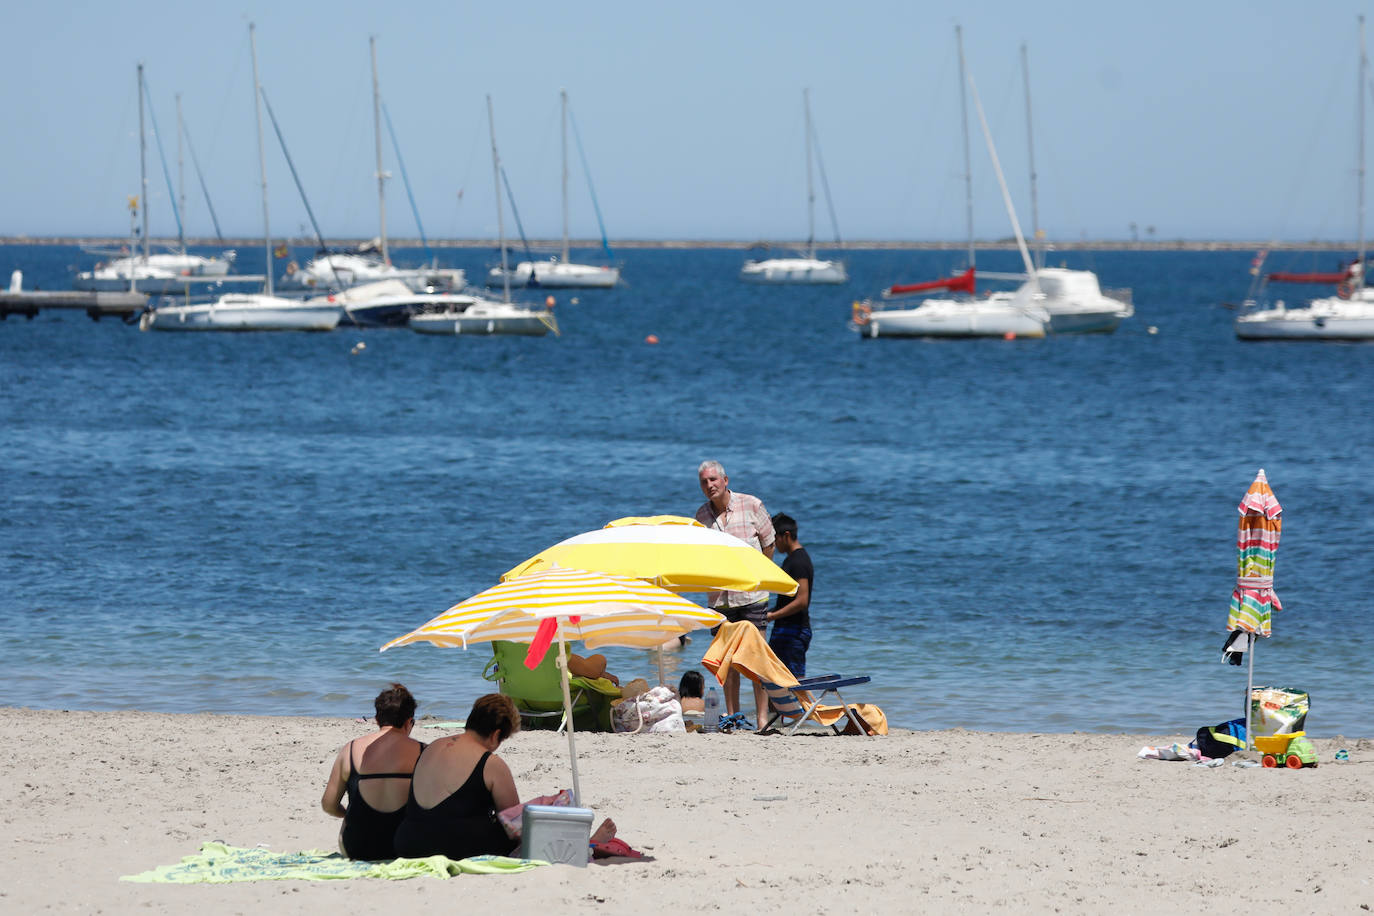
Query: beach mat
column 218, row 863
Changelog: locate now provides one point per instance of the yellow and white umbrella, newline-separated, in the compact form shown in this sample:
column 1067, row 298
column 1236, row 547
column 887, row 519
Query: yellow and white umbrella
column 569, row 604
column 677, row 553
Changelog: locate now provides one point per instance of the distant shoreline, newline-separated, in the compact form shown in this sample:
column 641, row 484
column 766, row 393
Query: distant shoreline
column 736, row 244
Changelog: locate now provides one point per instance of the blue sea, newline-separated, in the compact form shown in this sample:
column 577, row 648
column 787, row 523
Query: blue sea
column 1027, row 535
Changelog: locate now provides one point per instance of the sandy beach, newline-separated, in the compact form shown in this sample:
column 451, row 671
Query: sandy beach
column 913, row 822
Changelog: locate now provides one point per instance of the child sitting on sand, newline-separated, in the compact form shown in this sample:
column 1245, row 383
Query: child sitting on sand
column 689, row 692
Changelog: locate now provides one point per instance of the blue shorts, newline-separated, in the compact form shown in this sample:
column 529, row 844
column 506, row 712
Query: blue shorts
column 789, row 644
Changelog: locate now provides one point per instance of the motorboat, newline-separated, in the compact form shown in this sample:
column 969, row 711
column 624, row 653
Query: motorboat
column 392, row 304
column 464, row 313
column 243, row 312
column 340, row 270
column 1348, row 315
column 806, row 267
column 1075, row 302
column 560, row 271
column 794, row 270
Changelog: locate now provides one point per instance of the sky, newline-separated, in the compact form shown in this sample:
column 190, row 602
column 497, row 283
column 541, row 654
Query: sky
column 1168, row 120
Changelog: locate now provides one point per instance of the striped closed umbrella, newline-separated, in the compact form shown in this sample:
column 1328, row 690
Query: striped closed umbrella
column 1253, row 602
column 567, row 604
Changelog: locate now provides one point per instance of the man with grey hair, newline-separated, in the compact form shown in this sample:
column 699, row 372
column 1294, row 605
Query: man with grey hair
column 745, row 517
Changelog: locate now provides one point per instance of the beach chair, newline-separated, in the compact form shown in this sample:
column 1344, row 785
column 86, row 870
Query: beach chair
column 741, row 646
column 539, row 696
column 796, row 704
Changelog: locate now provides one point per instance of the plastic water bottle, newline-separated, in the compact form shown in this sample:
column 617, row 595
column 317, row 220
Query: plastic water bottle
column 711, row 720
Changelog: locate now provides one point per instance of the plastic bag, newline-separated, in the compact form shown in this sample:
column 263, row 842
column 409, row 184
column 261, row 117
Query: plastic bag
column 1278, row 710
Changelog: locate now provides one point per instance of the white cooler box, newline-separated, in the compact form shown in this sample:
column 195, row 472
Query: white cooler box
column 556, row 834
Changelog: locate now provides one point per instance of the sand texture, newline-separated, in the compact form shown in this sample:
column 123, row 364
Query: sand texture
column 914, row 822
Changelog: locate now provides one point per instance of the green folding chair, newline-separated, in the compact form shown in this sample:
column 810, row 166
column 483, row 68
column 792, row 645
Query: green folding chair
column 538, row 694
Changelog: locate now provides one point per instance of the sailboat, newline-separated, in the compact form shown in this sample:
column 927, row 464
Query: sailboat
column 469, row 314
column 808, row 268
column 371, row 262
column 156, row 274
column 1348, row 315
column 559, row 272
column 1074, row 299
column 247, row 311
column 1015, row 314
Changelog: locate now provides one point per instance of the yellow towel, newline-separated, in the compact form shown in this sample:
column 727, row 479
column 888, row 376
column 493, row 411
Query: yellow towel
column 741, row 646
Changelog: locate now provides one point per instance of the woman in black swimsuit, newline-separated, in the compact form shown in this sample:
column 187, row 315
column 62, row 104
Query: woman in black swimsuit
column 459, row 786
column 375, row 772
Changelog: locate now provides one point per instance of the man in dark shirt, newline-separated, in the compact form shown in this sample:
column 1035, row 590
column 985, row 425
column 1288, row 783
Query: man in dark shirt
column 791, row 615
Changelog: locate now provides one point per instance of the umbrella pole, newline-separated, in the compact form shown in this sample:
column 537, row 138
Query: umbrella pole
column 1250, row 689
column 568, row 710
column 660, row 666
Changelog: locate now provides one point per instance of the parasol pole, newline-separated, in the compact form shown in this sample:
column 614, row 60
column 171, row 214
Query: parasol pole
column 1249, row 690
column 660, row 664
column 568, row 709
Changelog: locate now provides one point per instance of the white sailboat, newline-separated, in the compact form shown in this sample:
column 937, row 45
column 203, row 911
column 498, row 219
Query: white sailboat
column 1017, row 314
column 146, row 272
column 560, row 271
column 1348, row 315
column 469, row 314
column 1074, row 299
column 247, row 311
column 370, row 263
column 808, row 268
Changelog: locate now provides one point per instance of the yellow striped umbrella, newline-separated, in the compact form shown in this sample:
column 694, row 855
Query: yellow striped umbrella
column 573, row 604
column 677, row 553
column 594, row 608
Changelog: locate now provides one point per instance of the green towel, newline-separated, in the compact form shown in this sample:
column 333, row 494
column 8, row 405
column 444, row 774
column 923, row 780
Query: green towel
column 218, row 863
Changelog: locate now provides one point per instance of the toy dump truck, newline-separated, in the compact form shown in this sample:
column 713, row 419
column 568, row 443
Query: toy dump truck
column 1292, row 750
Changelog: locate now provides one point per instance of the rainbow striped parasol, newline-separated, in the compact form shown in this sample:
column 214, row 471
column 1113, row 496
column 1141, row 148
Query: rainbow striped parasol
column 1253, row 602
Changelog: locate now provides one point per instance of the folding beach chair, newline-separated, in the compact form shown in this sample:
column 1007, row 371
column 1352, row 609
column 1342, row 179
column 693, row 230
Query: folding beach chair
column 796, row 705
column 538, row 694
column 740, row 646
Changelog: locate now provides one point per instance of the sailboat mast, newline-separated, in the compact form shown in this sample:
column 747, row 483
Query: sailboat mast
column 1036, row 234
column 500, row 213
column 563, row 95
column 1359, row 166
column 968, row 167
column 377, row 131
column 181, row 181
column 1002, row 183
column 262, row 158
column 810, row 188
column 142, row 165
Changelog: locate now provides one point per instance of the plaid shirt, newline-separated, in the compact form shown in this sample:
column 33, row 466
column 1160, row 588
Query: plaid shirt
column 747, row 519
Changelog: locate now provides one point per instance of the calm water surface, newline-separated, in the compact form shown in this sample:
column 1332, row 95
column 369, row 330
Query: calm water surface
column 1008, row 535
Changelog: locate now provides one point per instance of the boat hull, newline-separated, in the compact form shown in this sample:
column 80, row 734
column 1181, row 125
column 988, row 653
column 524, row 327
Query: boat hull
column 953, row 320
column 243, row 313
column 536, row 324
column 556, row 275
column 1305, row 327
column 794, row 270
column 1104, row 322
